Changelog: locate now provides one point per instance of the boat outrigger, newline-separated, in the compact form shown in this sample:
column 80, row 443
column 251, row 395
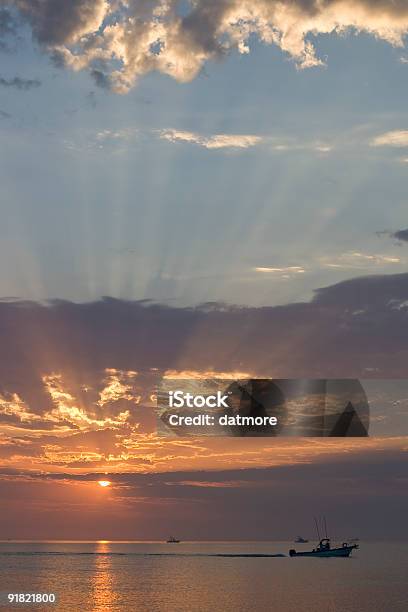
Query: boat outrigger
column 324, row 549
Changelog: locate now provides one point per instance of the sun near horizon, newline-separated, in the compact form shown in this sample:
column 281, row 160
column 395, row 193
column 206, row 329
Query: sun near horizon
column 104, row 483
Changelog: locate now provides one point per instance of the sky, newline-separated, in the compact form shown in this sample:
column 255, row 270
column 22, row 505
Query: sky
column 216, row 187
column 251, row 177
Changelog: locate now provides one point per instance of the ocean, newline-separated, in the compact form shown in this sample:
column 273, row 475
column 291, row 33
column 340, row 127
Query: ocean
column 192, row 577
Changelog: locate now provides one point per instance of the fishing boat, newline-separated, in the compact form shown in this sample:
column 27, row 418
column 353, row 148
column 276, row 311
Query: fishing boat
column 300, row 540
column 173, row 540
column 324, row 549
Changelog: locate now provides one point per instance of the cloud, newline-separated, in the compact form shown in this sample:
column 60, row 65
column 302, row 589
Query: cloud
column 320, row 338
column 376, row 295
column 360, row 261
column 114, row 140
column 64, row 380
column 280, row 145
column 4, row 115
column 283, row 273
column 57, row 22
column 100, row 78
column 401, row 235
column 242, row 141
column 216, row 141
column 396, row 138
column 122, row 41
column 118, row 135
column 356, row 489
column 8, row 28
column 21, row 84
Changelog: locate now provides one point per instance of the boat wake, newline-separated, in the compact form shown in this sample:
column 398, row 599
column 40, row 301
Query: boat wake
column 120, row 554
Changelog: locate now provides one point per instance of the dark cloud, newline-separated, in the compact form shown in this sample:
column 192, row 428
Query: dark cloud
column 369, row 292
column 355, row 329
column 4, row 115
column 381, row 463
column 350, row 329
column 101, row 79
column 19, row 83
column 58, row 22
column 401, row 235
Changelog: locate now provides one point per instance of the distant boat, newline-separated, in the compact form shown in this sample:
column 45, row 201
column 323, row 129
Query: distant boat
column 324, row 549
column 173, row 540
column 300, row 540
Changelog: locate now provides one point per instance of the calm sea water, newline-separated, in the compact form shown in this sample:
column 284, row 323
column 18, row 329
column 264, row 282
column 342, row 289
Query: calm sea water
column 150, row 577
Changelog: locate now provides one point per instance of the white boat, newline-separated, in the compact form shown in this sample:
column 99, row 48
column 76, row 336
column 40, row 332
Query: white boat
column 300, row 540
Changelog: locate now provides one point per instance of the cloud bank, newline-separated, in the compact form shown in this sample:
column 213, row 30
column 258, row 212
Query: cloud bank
column 77, row 381
column 120, row 41
column 357, row 490
column 347, row 330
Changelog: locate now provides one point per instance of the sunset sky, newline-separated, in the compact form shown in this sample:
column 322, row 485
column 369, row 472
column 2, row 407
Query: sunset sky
column 232, row 175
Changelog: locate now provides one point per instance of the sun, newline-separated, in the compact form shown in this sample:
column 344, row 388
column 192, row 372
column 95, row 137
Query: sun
column 104, row 483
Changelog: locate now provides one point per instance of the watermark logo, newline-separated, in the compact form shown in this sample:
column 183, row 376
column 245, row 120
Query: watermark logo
column 179, row 399
column 262, row 407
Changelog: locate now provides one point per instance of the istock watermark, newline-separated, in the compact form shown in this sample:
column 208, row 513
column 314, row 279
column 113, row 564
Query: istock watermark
column 262, row 407
column 179, row 399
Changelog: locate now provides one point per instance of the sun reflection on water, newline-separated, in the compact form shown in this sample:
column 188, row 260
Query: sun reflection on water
column 104, row 596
